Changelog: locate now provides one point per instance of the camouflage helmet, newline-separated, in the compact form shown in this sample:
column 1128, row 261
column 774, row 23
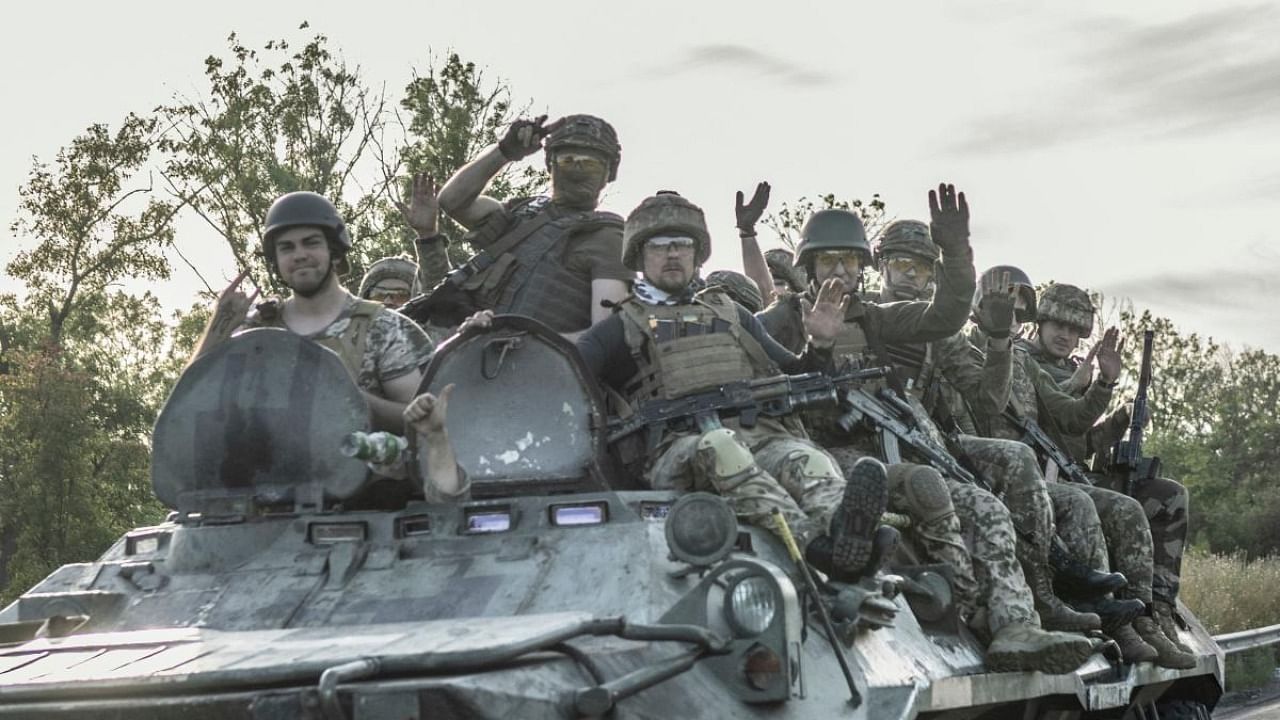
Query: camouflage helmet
column 1018, row 278
column 785, row 272
column 666, row 213
column 741, row 288
column 399, row 268
column 832, row 230
column 910, row 237
column 588, row 132
column 1068, row 305
column 298, row 209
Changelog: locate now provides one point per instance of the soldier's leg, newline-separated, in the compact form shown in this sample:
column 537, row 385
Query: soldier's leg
column 1077, row 523
column 920, row 493
column 987, row 527
column 1166, row 506
column 850, row 508
column 718, row 462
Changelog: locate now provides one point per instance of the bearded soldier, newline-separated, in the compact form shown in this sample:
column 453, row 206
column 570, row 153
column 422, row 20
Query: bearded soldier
column 663, row 343
column 1035, row 395
column 834, row 250
column 554, row 259
column 305, row 244
column 1064, row 316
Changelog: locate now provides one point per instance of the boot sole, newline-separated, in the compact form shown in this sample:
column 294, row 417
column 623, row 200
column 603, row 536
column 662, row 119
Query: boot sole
column 866, row 494
column 1055, row 660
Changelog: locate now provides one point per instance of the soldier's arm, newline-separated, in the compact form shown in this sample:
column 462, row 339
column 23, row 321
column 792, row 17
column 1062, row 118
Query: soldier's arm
column 755, row 267
column 433, row 262
column 603, row 349
column 388, row 410
column 923, row 321
column 983, row 379
column 461, row 196
column 1075, row 415
column 605, row 293
column 813, row 359
column 426, row 416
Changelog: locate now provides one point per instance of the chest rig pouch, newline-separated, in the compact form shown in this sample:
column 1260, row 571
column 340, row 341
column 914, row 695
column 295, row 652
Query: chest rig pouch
column 350, row 345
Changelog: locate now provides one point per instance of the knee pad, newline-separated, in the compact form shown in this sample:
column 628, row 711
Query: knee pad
column 721, row 456
column 813, row 465
column 927, row 494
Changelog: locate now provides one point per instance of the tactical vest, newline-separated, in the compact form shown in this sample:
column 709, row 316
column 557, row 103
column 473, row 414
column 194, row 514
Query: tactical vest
column 530, row 277
column 350, row 345
column 684, row 349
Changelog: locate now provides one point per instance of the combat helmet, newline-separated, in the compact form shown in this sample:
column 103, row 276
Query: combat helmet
column 1068, row 305
column 907, row 236
column 741, row 288
column 832, row 230
column 1019, row 279
column 666, row 213
column 785, row 272
column 304, row 208
column 399, row 268
column 588, row 132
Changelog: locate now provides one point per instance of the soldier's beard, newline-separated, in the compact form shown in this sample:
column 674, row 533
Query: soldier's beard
column 308, row 291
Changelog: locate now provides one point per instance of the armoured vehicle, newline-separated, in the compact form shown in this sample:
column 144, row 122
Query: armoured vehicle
column 285, row 585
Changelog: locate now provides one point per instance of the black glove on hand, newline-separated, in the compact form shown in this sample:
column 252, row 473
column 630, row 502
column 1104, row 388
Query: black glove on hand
column 523, row 138
column 949, row 219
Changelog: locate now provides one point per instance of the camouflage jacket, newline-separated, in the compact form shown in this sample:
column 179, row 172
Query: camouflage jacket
column 1100, row 437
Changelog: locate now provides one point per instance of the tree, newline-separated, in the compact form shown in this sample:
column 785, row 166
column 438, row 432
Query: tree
column 274, row 121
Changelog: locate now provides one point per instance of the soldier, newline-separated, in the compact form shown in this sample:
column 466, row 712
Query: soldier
column 445, row 480
column 555, row 259
column 740, row 288
column 788, row 279
column 663, row 344
column 1064, row 316
column 906, row 257
column 1034, row 394
column 834, row 250
column 305, row 244
column 389, row 281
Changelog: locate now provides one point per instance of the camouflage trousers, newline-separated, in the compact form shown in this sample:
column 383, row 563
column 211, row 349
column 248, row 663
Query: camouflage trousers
column 1128, row 538
column 1166, row 506
column 1014, row 473
column 920, row 493
column 789, row 473
column 1076, row 518
column 992, row 542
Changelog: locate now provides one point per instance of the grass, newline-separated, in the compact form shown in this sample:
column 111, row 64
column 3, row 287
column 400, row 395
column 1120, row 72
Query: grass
column 1228, row 594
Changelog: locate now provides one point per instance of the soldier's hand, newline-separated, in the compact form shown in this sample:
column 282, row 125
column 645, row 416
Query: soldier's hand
column 427, row 413
column 478, row 321
column 232, row 306
column 524, row 137
column 949, row 219
column 996, row 307
column 1110, row 357
column 423, row 211
column 1083, row 375
column 824, row 318
column 749, row 214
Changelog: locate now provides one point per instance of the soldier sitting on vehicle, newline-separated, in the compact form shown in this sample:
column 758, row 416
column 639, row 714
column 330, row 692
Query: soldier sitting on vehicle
column 305, row 244
column 389, row 281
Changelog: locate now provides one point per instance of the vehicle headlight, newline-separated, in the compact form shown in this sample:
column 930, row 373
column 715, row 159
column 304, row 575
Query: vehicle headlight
column 750, row 604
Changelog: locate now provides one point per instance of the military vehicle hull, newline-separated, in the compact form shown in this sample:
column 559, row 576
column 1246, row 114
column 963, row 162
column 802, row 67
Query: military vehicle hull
column 551, row 592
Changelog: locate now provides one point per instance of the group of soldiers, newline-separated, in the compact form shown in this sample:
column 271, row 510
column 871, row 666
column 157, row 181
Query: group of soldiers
column 652, row 328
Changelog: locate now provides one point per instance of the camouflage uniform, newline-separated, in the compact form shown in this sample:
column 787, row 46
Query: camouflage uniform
column 1164, row 501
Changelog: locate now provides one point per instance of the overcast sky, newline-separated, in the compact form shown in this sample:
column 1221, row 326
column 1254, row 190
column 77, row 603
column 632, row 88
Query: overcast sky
column 1131, row 150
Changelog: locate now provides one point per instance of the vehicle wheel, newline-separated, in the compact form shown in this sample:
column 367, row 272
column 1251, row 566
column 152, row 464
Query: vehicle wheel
column 1183, row 710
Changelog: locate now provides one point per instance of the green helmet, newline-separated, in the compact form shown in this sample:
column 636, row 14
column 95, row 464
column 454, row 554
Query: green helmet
column 399, row 268
column 1068, row 305
column 741, row 288
column 909, row 237
column 297, row 209
column 785, row 272
column 832, row 230
column 1018, row 278
column 666, row 213
column 588, row 132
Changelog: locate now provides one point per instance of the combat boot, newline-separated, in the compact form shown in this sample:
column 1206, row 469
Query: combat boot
column 1054, row 614
column 1113, row 612
column 853, row 525
column 1023, row 647
column 1169, row 655
column 1132, row 648
column 1163, row 612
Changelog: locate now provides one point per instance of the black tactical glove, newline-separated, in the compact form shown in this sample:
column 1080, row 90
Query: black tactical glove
column 949, row 219
column 749, row 214
column 995, row 315
column 523, row 138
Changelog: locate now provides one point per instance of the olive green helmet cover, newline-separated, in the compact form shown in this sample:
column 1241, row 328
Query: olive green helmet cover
column 400, row 268
column 587, row 132
column 741, row 288
column 910, row 237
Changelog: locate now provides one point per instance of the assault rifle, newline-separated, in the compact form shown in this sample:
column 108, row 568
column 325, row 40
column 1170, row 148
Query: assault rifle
column 1127, row 454
column 893, row 418
column 747, row 400
column 1034, row 435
